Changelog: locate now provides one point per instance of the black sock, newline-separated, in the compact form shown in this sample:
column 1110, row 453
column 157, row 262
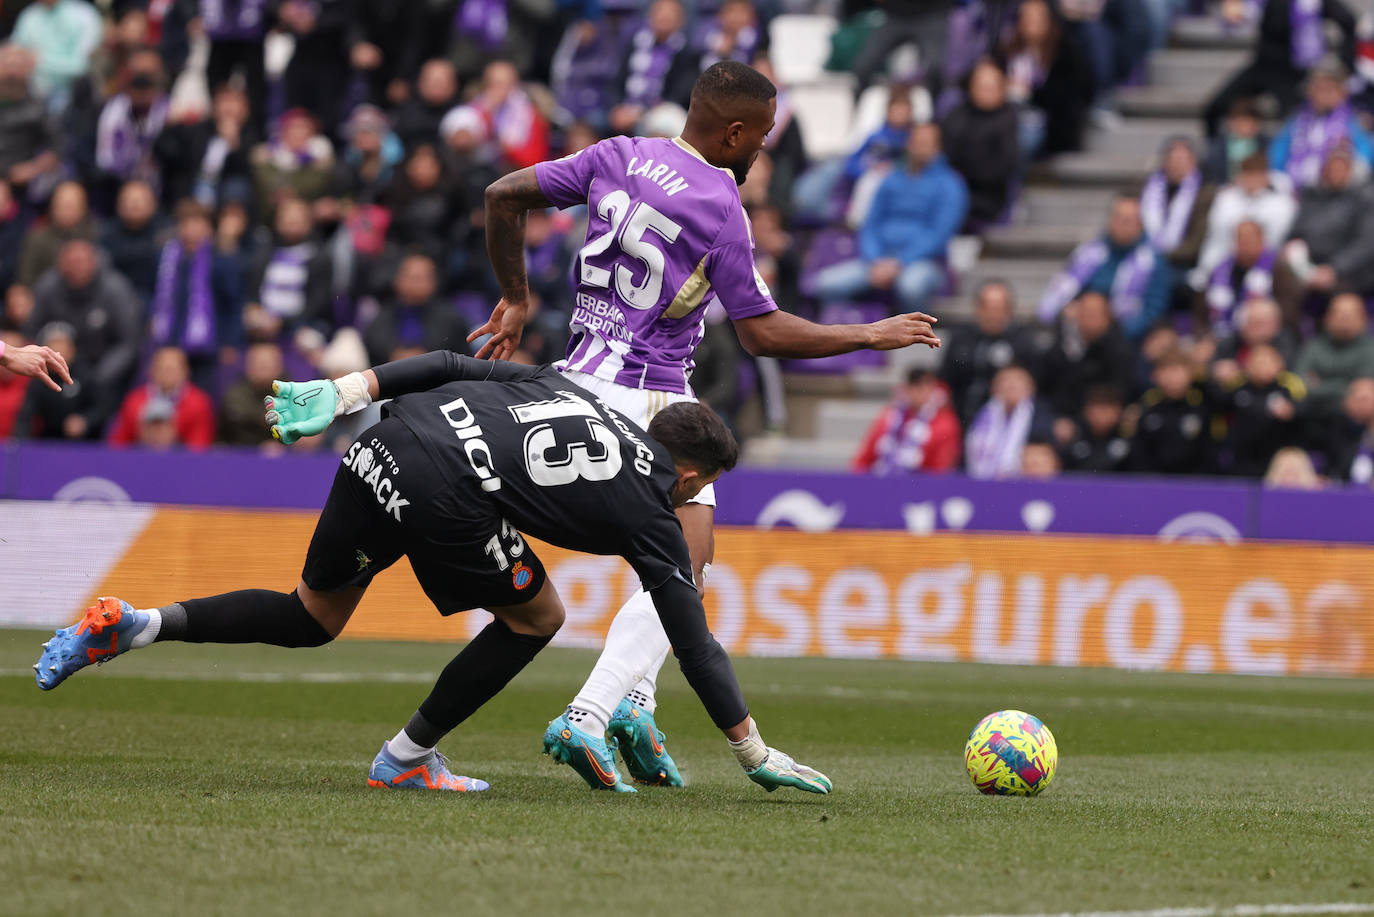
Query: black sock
column 475, row 676
column 246, row 616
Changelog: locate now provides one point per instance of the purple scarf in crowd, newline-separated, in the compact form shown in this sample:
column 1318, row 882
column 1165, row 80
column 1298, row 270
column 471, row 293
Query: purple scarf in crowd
column 1128, row 286
column 997, row 438
column 713, row 45
column 484, row 20
column 198, row 332
column 1308, row 42
column 233, row 20
column 1224, row 295
column 1314, row 137
column 649, row 64
column 901, row 448
column 1165, row 218
column 124, row 139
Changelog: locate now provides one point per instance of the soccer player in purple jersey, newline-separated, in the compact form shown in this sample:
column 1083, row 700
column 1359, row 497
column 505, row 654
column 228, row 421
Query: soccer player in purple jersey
column 666, row 232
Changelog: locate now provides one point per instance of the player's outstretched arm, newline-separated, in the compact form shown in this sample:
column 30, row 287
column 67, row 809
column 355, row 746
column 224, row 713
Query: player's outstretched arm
column 707, row 669
column 36, row 362
column 296, row 409
column 508, row 199
column 782, row 334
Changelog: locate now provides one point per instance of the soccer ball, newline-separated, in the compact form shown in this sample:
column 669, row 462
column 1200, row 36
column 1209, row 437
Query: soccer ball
column 1010, row 753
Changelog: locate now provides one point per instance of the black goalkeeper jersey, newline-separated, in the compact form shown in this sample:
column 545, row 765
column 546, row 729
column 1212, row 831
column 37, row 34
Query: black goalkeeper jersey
column 551, row 458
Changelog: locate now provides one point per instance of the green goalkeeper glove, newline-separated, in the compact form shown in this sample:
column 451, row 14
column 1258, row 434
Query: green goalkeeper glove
column 296, row 409
column 770, row 768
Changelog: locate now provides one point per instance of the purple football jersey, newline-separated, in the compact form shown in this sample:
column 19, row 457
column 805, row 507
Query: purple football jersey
column 665, row 232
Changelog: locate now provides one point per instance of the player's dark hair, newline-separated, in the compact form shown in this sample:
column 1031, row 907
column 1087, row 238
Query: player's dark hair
column 695, row 435
column 730, row 81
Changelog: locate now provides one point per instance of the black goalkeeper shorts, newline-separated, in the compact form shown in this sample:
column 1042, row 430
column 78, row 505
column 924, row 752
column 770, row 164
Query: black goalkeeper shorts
column 388, row 500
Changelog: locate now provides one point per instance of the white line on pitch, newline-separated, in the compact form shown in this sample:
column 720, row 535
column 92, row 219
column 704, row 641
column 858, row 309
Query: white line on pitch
column 1238, row 910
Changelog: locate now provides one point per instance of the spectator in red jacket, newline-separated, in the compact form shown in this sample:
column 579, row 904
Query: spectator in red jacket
column 918, row 431
column 168, row 397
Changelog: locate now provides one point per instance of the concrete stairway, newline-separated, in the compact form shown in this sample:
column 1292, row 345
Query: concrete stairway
column 1064, row 203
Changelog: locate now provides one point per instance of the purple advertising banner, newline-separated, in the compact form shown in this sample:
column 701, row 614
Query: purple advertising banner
column 1152, row 507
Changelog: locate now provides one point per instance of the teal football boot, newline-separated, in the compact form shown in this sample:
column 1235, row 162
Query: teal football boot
column 641, row 745
column 585, row 753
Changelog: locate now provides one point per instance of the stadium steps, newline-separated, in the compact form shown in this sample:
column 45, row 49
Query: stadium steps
column 1047, row 205
column 1196, row 69
column 1208, row 32
column 1037, row 240
column 1027, row 278
column 1142, row 137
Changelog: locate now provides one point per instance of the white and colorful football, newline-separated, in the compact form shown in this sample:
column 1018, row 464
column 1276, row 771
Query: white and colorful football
column 1011, row 753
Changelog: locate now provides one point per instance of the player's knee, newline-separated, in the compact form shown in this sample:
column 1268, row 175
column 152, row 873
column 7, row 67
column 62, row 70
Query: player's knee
column 317, row 621
column 547, row 621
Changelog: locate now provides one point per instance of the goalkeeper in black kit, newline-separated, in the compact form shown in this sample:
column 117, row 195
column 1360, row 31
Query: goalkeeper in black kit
column 471, row 456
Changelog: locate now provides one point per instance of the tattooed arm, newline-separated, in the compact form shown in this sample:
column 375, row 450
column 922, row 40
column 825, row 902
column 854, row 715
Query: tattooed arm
column 509, row 198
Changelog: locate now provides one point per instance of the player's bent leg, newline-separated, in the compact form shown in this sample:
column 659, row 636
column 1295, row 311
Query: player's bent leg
column 478, row 673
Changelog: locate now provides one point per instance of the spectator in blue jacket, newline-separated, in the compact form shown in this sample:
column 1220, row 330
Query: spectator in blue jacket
column 1325, row 122
column 815, row 191
column 1123, row 266
column 915, row 213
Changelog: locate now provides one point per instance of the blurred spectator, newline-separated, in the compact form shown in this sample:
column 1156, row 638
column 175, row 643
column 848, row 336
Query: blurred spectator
column 915, row 213
column 1254, row 196
column 715, row 380
column 1240, row 137
column 290, row 283
column 79, row 411
column 1039, row 461
column 973, row 355
column 584, row 67
column 385, row 41
column 1292, row 40
column 414, row 320
column 733, row 34
column 775, row 251
column 100, row 305
column 241, row 411
column 1348, row 441
column 1000, row 431
column 1097, row 442
column 1332, row 237
column 1173, row 433
column 12, row 387
column 427, row 211
column 298, row 162
column 548, row 252
column 62, row 34
column 1324, row 122
column 1341, row 353
column 1256, row 322
column 1247, row 274
column 168, row 398
column 981, row 144
column 126, row 35
column 512, row 121
column 1261, row 413
column 131, row 121
column 436, row 94
column 28, row 159
column 1118, row 34
column 1050, row 78
column 12, row 229
column 131, row 240
column 1291, row 469
column 657, row 66
column 318, row 69
column 18, row 308
column 1174, row 205
column 816, row 189
column 784, row 149
column 923, row 23
column 199, row 294
column 369, row 161
column 1122, row 266
column 1090, row 349
column 917, row 431
column 235, row 30
column 69, row 217
column 209, row 159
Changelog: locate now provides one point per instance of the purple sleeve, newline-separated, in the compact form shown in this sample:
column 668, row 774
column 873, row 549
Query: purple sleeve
column 736, row 282
column 565, row 182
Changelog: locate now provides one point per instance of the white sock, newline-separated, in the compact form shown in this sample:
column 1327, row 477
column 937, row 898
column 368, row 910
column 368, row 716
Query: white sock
column 150, row 630
column 587, row 720
column 634, row 644
column 404, row 749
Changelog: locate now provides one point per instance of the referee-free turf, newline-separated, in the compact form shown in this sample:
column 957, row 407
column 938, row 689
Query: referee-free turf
column 231, row 780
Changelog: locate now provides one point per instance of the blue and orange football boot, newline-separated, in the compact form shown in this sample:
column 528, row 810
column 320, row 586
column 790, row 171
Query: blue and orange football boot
column 585, row 753
column 432, row 773
column 107, row 629
column 641, row 745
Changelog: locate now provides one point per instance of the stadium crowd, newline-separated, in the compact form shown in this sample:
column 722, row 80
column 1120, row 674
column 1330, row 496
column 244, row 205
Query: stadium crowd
column 198, row 196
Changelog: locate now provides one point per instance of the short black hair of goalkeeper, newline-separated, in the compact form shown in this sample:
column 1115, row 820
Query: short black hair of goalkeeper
column 694, row 435
column 728, row 81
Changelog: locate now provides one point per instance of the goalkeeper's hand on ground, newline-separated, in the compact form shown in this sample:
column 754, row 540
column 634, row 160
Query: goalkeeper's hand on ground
column 770, row 768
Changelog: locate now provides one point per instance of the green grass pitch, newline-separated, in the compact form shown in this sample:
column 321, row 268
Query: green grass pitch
column 230, row 780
